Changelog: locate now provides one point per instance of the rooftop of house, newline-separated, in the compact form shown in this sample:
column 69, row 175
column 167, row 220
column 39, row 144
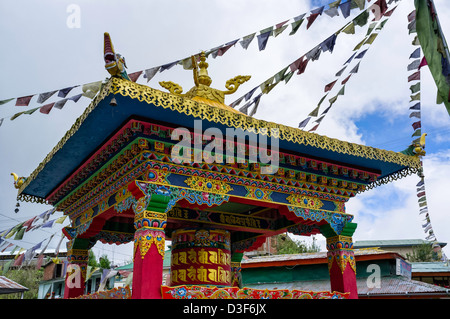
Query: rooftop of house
column 392, row 243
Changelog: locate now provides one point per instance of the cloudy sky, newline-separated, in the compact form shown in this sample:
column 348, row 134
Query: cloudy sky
column 49, row 45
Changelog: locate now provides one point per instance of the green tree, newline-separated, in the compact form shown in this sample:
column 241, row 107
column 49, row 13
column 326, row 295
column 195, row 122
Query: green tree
column 27, row 277
column 287, row 245
column 104, row 262
column 421, row 253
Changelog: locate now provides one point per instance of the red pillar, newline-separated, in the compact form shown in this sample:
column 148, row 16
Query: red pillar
column 342, row 265
column 149, row 246
column 75, row 273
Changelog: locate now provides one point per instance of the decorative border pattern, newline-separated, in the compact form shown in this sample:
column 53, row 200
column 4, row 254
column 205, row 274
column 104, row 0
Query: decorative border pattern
column 217, row 115
column 202, row 292
column 340, row 250
column 115, row 293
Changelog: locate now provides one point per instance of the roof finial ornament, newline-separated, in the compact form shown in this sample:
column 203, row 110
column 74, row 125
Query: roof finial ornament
column 202, row 90
column 201, row 71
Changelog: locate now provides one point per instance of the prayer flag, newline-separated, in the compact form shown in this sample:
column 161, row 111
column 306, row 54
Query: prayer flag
column 134, row 76
column 350, row 59
column 349, row 29
column 346, row 79
column 60, row 104
column 90, row 89
column 415, row 88
column 415, row 97
column 65, row 91
column 423, row 63
column 45, row 96
column 332, row 12
column 414, row 65
column 6, row 101
column 415, row 107
column 150, row 73
column 361, row 19
column 328, row 44
column 414, row 77
column 247, row 40
column 315, row 112
column 361, row 55
column 355, row 69
column 250, row 93
column 24, row 100
column 311, row 19
column 263, row 38
column 314, row 54
column 167, row 66
column 341, row 71
column 329, row 86
column 295, row 26
column 304, row 122
column 415, row 114
column 75, row 98
column 345, row 8
column 360, row 3
column 46, row 108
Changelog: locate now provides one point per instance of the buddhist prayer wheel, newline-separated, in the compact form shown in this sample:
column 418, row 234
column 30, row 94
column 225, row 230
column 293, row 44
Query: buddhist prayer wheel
column 148, row 166
column 201, row 257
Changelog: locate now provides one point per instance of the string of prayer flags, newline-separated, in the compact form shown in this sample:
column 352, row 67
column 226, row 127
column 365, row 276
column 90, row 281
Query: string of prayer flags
column 358, row 54
column 91, row 89
column 299, row 65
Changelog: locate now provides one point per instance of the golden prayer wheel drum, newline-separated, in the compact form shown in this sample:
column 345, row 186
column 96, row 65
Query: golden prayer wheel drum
column 201, row 257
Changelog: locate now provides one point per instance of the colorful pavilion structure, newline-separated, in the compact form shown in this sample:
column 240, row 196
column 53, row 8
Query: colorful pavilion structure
column 143, row 165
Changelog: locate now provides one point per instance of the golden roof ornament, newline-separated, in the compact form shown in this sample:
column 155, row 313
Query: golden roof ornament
column 202, row 92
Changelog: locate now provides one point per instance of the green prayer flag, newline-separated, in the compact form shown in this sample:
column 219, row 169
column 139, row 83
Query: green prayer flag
column 341, row 91
column 16, row 116
column 281, row 75
column 349, row 29
column 361, row 19
column 415, row 88
column 5, row 101
column 6, row 267
column 295, row 26
column 288, row 76
column 29, row 112
column 381, row 26
column 415, row 97
column 428, row 34
column 360, row 4
column 19, row 234
column 371, row 27
column 315, row 112
column 359, row 45
column 371, row 38
column 417, row 133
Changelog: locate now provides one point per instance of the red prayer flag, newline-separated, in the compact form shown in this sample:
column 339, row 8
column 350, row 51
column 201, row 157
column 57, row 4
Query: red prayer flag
column 415, row 76
column 24, row 100
column 134, row 76
column 346, row 79
column 423, row 62
column 329, row 86
column 46, row 108
column 311, row 19
column 416, row 125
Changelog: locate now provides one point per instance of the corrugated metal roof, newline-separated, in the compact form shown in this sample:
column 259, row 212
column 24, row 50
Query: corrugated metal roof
column 392, row 243
column 390, row 285
column 309, row 256
column 7, row 286
column 430, row 267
